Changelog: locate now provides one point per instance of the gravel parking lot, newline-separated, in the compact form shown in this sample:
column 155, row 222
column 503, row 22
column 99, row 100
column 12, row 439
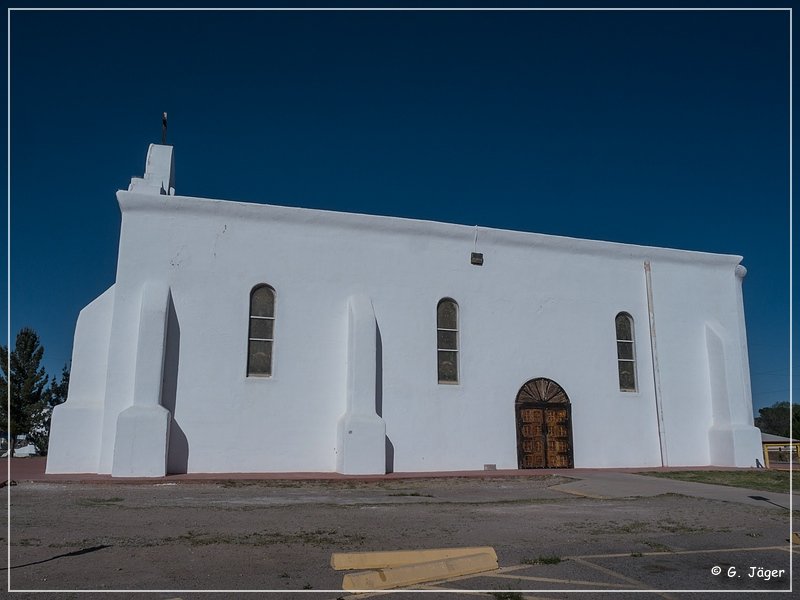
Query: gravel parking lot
column 279, row 535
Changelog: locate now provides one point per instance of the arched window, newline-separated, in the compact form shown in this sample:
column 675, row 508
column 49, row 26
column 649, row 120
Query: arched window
column 447, row 340
column 626, row 356
column 262, row 327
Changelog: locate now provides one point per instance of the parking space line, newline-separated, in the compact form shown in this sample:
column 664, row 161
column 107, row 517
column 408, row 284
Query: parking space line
column 500, row 571
column 539, row 598
column 567, row 581
column 444, row 589
column 676, row 552
column 416, row 587
column 632, row 584
column 421, row 586
column 512, row 568
column 438, row 585
column 639, row 584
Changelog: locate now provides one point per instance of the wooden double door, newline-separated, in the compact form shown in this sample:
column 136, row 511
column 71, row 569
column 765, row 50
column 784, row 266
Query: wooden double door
column 544, row 427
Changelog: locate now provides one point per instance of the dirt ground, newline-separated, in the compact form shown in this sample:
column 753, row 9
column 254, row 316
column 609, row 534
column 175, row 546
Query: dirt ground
column 279, row 535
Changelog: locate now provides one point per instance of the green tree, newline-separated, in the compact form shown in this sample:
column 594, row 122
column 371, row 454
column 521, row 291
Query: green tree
column 54, row 394
column 775, row 419
column 23, row 384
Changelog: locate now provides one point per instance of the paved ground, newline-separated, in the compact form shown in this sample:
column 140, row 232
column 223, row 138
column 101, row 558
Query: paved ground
column 596, row 531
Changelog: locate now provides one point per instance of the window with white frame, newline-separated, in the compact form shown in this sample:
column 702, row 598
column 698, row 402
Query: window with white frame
column 447, row 340
column 261, row 331
column 626, row 353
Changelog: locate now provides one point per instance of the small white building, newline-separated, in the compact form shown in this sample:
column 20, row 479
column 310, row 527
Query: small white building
column 253, row 338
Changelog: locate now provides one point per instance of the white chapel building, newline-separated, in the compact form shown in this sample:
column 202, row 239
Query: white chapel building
column 253, row 338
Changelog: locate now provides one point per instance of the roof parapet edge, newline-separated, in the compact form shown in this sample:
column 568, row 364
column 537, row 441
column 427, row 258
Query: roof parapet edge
column 133, row 202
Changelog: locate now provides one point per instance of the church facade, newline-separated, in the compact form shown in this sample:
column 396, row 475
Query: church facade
column 252, row 338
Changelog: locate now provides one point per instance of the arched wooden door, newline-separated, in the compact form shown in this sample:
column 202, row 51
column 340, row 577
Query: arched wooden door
column 544, row 426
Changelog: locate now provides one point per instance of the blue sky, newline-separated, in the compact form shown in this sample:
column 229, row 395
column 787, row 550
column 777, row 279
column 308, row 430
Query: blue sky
column 655, row 128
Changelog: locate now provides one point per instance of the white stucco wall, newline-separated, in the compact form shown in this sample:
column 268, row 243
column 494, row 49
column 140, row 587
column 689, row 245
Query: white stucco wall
column 74, row 445
column 540, row 306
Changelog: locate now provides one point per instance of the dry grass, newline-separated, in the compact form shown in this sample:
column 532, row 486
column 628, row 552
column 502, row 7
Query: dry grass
column 765, row 480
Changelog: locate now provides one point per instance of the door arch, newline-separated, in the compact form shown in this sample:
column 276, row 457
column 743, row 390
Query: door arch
column 544, row 426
